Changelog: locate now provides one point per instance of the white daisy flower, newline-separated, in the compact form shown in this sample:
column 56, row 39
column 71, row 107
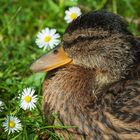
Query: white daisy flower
column 28, row 100
column 72, row 13
column 1, row 106
column 12, row 124
column 47, row 38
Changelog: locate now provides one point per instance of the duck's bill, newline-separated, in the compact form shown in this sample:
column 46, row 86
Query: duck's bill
column 52, row 60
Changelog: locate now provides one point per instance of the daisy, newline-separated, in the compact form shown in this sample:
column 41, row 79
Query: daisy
column 12, row 124
column 47, row 38
column 28, row 100
column 72, row 13
column 1, row 106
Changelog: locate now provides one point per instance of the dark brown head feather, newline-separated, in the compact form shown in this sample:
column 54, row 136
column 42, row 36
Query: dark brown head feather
column 99, row 19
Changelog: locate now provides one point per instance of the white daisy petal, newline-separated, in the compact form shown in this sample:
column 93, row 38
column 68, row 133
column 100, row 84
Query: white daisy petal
column 73, row 9
column 51, row 45
column 52, row 32
column 28, row 99
column 67, row 12
column 56, row 42
column 72, row 13
column 45, row 37
column 46, row 31
column 55, row 36
column 12, row 124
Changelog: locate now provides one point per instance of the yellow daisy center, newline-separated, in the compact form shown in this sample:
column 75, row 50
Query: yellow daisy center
column 47, row 38
column 73, row 16
column 28, row 99
column 12, row 124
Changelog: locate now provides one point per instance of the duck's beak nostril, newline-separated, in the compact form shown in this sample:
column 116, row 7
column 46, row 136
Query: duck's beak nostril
column 52, row 60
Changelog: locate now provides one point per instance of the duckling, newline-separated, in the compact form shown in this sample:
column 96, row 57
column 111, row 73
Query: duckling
column 98, row 89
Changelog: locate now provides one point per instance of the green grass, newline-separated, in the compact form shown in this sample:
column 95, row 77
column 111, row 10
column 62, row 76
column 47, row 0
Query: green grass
column 20, row 21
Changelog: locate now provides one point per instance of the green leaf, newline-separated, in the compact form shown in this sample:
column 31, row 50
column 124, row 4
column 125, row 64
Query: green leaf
column 35, row 80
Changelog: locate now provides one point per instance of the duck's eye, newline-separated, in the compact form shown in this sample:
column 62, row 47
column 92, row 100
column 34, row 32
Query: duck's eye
column 55, row 51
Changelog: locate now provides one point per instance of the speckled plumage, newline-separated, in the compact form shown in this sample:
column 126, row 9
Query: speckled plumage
column 100, row 93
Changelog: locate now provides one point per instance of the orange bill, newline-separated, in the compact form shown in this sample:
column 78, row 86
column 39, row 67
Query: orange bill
column 52, row 60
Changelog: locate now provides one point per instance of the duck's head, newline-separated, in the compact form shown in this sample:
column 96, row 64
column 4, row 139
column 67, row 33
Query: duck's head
column 96, row 40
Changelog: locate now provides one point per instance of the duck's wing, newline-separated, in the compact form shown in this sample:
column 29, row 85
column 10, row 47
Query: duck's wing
column 117, row 116
column 125, row 110
column 126, row 106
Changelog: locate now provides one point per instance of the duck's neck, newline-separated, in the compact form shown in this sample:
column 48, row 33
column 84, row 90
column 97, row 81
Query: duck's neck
column 75, row 88
column 76, row 85
column 80, row 81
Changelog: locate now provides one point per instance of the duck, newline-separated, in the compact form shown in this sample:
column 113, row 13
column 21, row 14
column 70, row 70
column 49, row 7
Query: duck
column 93, row 80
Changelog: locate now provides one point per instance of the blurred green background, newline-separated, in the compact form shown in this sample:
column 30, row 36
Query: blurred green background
column 21, row 20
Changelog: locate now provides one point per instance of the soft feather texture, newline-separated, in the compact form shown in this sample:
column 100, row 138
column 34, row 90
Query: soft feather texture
column 111, row 114
column 100, row 94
